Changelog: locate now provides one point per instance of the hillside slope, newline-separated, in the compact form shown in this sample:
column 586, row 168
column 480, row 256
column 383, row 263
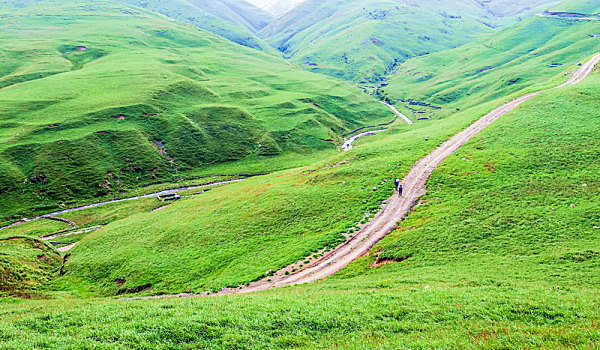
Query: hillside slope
column 237, row 24
column 239, row 12
column 185, row 99
column 528, row 53
column 501, row 253
column 281, row 7
column 363, row 40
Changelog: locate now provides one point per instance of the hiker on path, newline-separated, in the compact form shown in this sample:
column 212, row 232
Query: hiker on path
column 398, row 186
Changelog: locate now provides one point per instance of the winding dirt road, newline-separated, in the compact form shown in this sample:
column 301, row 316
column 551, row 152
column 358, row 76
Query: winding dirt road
column 395, row 211
column 397, row 207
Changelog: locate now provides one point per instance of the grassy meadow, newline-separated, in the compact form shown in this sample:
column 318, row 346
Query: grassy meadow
column 495, row 256
column 523, row 56
column 502, row 252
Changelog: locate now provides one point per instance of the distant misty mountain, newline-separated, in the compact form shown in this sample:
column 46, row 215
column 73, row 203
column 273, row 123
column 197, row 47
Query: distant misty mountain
column 235, row 20
column 277, row 7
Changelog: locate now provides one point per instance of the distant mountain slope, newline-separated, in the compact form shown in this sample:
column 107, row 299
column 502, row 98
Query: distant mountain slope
column 276, row 7
column 516, row 58
column 362, row 40
column 215, row 17
column 238, row 12
column 517, row 9
column 581, row 6
column 121, row 97
column 281, row 7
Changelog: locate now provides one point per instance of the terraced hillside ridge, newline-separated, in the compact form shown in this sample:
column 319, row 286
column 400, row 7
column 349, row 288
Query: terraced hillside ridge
column 528, row 53
column 363, row 40
column 187, row 99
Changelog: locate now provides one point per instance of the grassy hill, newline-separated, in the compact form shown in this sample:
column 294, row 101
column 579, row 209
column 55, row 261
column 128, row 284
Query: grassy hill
column 121, row 97
column 26, row 264
column 579, row 6
column 239, row 12
column 363, row 40
column 233, row 23
column 528, row 53
column 516, row 9
column 500, row 254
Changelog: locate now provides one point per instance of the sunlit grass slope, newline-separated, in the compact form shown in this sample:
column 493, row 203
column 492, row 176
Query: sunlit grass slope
column 98, row 98
column 501, row 253
column 528, row 53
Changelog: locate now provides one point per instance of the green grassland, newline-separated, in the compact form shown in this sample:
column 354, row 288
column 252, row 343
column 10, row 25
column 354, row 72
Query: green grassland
column 502, row 252
column 26, row 264
column 529, row 53
column 318, row 205
column 579, row 6
column 495, row 256
column 36, row 228
column 122, row 97
column 234, row 23
column 364, row 40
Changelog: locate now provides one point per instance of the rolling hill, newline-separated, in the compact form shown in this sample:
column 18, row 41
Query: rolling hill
column 500, row 251
column 496, row 255
column 234, row 20
column 363, row 40
column 523, row 55
column 124, row 97
column 238, row 12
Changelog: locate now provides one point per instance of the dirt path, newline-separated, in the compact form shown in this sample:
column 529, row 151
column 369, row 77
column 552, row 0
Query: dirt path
column 395, row 211
column 408, row 121
column 348, row 143
column 66, row 248
column 85, row 230
column 51, row 215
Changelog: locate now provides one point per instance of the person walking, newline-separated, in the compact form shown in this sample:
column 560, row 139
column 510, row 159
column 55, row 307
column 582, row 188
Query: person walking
column 398, row 187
